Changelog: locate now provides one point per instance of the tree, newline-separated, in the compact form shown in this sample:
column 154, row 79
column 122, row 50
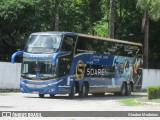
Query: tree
column 151, row 9
column 127, row 20
column 111, row 19
column 57, row 5
column 18, row 19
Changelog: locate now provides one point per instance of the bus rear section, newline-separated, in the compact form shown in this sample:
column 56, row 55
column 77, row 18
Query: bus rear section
column 108, row 65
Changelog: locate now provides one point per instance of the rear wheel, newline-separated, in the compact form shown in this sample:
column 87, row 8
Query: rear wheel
column 123, row 90
column 129, row 89
column 41, row 95
column 73, row 91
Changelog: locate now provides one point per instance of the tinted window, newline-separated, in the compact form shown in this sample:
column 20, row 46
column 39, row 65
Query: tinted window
column 68, row 43
column 85, row 45
column 90, row 45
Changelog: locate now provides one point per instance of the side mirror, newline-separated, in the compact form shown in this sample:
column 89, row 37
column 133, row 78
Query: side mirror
column 14, row 55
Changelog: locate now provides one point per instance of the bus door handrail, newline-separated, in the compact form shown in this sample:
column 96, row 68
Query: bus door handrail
column 59, row 54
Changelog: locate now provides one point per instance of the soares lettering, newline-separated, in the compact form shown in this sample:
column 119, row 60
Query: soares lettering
column 97, row 72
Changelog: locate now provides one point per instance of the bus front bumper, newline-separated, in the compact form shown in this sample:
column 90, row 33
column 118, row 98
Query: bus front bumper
column 51, row 87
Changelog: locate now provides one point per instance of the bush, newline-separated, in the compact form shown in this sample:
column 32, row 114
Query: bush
column 153, row 92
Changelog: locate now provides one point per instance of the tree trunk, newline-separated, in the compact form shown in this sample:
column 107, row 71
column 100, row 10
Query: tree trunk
column 146, row 39
column 111, row 19
column 56, row 15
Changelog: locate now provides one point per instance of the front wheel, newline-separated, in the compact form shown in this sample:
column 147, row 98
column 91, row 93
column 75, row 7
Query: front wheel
column 73, row 91
column 129, row 89
column 84, row 91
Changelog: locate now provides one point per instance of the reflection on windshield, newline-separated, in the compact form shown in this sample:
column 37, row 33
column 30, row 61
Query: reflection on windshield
column 38, row 69
column 43, row 43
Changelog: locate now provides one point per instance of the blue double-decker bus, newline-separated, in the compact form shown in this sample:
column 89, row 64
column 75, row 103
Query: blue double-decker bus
column 69, row 63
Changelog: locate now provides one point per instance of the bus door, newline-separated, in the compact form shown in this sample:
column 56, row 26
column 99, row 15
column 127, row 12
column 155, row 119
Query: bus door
column 65, row 61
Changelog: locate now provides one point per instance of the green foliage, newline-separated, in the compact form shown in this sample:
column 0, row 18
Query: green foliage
column 19, row 18
column 101, row 28
column 130, row 102
column 157, row 100
column 152, row 5
column 153, row 92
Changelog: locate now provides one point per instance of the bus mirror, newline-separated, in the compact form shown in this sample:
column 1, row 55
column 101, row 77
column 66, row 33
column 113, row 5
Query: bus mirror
column 14, row 55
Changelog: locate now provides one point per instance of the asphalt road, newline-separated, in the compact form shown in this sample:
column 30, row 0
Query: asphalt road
column 109, row 102
column 31, row 102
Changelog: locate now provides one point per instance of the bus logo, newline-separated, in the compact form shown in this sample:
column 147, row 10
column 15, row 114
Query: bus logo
column 80, row 70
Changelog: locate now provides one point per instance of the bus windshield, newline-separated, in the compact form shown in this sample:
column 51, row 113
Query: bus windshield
column 42, row 69
column 43, row 43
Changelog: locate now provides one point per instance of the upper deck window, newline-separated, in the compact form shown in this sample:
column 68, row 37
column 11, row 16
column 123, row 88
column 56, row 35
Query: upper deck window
column 43, row 43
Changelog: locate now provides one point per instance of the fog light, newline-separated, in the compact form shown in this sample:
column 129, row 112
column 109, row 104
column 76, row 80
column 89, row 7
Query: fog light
column 51, row 90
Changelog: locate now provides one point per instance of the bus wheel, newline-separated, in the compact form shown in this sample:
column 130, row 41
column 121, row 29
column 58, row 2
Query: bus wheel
column 129, row 89
column 52, row 95
column 123, row 90
column 41, row 95
column 73, row 91
column 84, row 91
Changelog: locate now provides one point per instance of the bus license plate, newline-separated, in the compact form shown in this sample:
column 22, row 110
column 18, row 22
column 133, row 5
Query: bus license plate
column 35, row 92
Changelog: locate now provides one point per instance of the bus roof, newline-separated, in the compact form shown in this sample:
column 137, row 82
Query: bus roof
column 110, row 39
column 87, row 36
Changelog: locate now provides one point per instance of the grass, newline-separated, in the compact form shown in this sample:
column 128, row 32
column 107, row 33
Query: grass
column 156, row 100
column 130, row 102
